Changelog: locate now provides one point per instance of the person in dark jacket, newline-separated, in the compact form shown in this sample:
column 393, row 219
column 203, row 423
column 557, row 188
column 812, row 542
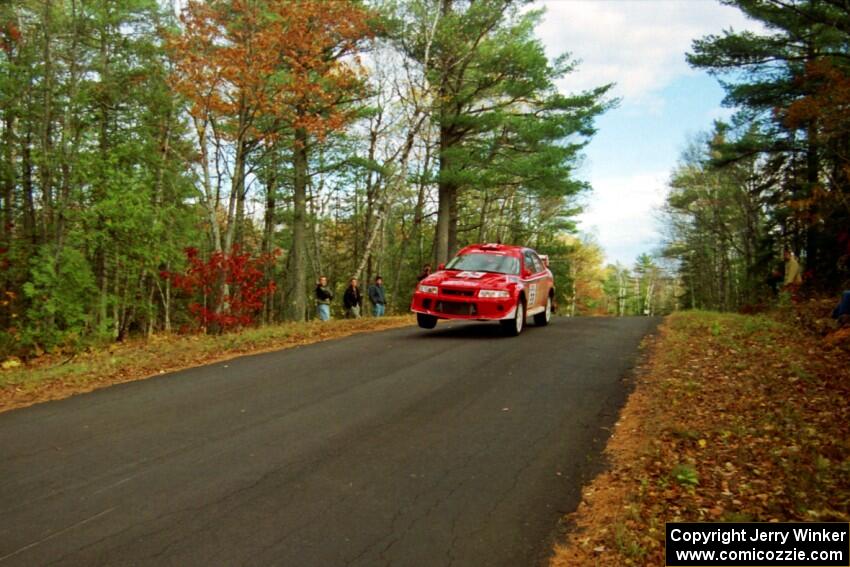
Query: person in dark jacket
column 842, row 311
column 324, row 295
column 774, row 280
column 378, row 297
column 352, row 300
column 426, row 271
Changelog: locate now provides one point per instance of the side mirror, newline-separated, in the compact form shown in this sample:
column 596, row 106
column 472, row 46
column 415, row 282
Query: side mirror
column 525, row 274
column 441, row 267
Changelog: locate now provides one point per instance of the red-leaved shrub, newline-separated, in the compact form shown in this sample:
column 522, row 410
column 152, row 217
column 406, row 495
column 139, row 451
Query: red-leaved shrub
column 226, row 290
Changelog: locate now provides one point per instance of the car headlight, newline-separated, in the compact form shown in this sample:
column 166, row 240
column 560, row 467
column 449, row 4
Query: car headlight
column 428, row 289
column 493, row 293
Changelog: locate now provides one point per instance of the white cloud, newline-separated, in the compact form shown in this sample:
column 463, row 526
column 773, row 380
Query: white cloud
column 622, row 214
column 640, row 45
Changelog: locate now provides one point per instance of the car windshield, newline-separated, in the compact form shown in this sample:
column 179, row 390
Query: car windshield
column 485, row 263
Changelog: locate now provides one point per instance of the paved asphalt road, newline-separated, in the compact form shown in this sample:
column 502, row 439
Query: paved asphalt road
column 404, row 447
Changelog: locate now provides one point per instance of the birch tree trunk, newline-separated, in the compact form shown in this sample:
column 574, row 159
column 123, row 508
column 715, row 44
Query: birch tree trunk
column 296, row 296
column 208, row 197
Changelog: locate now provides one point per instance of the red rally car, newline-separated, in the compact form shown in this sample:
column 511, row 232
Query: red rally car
column 488, row 282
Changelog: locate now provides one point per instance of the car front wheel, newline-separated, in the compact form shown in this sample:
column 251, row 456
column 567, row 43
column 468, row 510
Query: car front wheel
column 513, row 327
column 426, row 321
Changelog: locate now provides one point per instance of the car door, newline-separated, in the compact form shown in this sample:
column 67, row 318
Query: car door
column 535, row 280
column 547, row 281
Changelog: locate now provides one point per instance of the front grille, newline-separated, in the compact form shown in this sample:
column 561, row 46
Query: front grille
column 456, row 308
column 460, row 292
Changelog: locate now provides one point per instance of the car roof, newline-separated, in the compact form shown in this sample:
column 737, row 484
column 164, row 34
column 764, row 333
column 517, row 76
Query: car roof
column 493, row 248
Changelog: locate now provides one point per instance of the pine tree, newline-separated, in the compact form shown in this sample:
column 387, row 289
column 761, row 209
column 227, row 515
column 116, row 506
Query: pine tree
column 502, row 122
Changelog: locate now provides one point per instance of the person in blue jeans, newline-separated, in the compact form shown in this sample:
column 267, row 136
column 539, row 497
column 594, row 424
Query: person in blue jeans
column 842, row 312
column 324, row 295
column 378, row 297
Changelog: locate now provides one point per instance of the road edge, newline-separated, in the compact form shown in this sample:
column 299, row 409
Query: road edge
column 602, row 461
column 106, row 373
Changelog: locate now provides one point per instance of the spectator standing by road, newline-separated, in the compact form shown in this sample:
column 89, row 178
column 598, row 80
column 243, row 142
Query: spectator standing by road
column 324, row 295
column 792, row 278
column 426, row 271
column 378, row 297
column 352, row 300
column 793, row 272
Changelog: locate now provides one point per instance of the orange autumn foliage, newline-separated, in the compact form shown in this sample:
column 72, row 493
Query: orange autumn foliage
column 10, row 35
column 591, row 297
column 286, row 61
column 826, row 108
column 827, row 104
column 828, row 101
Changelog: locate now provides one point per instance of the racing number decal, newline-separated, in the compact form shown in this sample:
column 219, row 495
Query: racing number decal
column 532, row 295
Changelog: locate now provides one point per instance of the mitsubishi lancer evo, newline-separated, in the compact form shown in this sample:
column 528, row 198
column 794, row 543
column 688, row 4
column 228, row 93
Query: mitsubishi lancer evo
column 488, row 282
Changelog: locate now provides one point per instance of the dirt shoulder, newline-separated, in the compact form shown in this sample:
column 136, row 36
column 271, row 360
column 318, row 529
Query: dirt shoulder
column 55, row 377
column 733, row 418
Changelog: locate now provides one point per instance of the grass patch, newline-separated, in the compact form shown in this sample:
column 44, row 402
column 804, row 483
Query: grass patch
column 55, row 376
column 733, row 418
column 685, row 474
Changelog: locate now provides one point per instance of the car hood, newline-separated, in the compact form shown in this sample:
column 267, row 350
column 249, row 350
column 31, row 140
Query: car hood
column 479, row 280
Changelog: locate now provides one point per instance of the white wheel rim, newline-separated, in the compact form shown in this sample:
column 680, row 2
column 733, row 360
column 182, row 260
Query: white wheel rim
column 548, row 309
column 520, row 317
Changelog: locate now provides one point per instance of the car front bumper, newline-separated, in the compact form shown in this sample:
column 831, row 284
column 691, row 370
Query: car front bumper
column 470, row 308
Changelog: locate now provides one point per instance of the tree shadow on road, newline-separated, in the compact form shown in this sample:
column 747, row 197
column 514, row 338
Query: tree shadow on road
column 473, row 330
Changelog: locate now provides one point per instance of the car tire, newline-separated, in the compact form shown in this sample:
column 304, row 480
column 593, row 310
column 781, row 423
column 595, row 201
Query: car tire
column 542, row 319
column 514, row 326
column 426, row 321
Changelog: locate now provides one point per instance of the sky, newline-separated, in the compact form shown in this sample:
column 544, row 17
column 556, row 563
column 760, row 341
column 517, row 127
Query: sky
column 640, row 45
